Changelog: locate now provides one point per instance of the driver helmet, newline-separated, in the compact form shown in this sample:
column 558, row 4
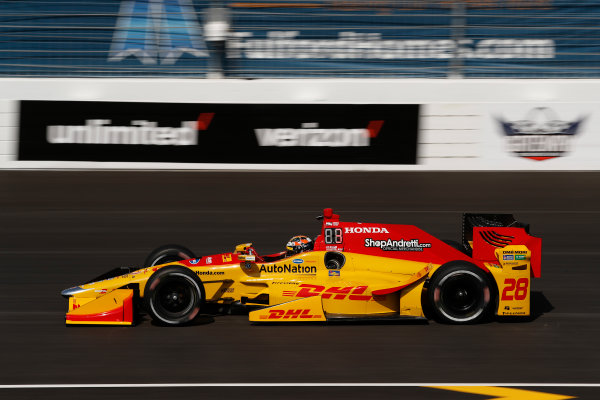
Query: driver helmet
column 299, row 244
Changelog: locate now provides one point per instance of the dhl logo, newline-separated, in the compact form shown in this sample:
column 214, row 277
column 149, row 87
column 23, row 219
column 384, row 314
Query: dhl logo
column 290, row 314
column 338, row 293
column 226, row 258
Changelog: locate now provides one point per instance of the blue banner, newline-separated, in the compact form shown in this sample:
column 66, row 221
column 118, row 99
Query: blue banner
column 317, row 38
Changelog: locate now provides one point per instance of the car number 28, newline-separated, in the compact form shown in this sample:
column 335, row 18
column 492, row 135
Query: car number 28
column 516, row 286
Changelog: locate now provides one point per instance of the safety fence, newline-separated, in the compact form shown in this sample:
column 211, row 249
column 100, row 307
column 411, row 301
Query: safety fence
column 301, row 38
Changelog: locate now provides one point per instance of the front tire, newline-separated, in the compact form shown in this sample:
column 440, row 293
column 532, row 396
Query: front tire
column 167, row 254
column 173, row 296
column 459, row 293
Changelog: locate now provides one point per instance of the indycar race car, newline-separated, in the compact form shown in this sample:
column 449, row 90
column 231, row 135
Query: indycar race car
column 351, row 270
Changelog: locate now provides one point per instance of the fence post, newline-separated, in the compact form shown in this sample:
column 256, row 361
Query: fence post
column 217, row 22
column 458, row 24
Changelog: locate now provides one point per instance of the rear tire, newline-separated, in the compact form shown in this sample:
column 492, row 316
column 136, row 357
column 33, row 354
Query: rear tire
column 167, row 254
column 459, row 293
column 173, row 296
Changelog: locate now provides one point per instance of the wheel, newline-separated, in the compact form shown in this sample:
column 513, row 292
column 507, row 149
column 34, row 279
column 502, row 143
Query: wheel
column 173, row 295
column 167, row 254
column 459, row 293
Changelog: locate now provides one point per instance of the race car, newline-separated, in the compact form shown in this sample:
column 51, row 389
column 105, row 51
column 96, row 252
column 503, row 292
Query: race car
column 351, row 270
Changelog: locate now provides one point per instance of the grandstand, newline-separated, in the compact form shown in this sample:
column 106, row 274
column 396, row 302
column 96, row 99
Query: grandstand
column 300, row 38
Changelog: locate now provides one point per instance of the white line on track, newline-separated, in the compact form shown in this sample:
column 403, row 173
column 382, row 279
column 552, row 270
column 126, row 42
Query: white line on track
column 285, row 384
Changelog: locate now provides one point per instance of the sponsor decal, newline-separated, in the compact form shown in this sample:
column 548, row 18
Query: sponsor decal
column 284, row 283
column 210, row 273
column 397, row 245
column 226, row 258
column 100, row 291
column 508, row 257
column 157, row 31
column 328, row 224
column 520, row 256
column 289, row 269
column 302, row 313
column 194, row 261
column 310, row 135
column 514, row 313
column 227, row 290
column 541, row 135
column 334, row 248
column 209, row 260
column 360, row 229
column 334, row 273
column 334, row 292
column 248, row 265
column 297, row 261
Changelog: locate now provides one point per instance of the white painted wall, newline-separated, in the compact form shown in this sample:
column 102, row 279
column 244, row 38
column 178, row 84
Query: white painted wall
column 8, row 131
column 455, row 129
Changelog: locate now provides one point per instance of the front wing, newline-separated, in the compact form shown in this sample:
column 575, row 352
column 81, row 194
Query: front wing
column 114, row 308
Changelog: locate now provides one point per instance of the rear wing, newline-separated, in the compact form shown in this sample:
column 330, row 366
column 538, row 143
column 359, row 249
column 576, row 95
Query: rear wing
column 484, row 233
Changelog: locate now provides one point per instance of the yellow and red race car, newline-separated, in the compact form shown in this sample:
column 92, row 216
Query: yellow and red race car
column 351, row 270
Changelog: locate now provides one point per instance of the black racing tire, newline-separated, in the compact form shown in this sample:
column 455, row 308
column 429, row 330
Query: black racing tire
column 173, row 296
column 167, row 254
column 459, row 293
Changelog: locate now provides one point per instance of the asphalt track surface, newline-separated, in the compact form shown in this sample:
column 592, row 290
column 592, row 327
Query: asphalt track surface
column 59, row 229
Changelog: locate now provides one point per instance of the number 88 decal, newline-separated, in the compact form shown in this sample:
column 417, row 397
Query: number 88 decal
column 519, row 287
column 333, row 235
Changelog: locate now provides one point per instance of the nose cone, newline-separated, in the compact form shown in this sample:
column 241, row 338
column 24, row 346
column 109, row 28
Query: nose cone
column 71, row 291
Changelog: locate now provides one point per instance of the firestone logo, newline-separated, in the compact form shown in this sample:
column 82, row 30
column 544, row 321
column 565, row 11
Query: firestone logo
column 360, row 229
column 541, row 135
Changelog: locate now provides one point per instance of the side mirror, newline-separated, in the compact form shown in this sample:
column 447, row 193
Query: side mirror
column 242, row 248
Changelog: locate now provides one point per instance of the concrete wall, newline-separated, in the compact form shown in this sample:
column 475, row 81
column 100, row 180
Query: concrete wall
column 456, row 131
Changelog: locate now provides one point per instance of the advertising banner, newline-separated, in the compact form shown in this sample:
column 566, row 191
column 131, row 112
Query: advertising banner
column 218, row 133
column 316, row 38
column 552, row 136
